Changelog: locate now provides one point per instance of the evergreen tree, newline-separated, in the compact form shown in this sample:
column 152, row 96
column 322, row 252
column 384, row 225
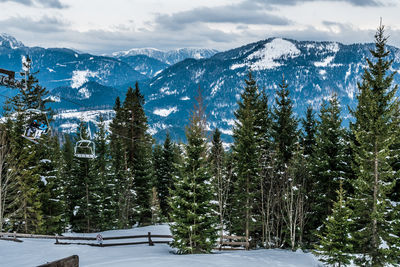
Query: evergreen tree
column 105, row 181
column 246, row 154
column 138, row 155
column 192, row 211
column 219, row 178
column 310, row 128
column 85, row 190
column 330, row 163
column 335, row 242
column 285, row 138
column 284, row 128
column 265, row 149
column 52, row 189
column 164, row 173
column 67, row 171
column 119, row 168
column 375, row 129
column 27, row 208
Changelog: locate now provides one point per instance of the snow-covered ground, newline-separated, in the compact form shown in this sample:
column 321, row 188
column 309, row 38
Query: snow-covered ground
column 33, row 252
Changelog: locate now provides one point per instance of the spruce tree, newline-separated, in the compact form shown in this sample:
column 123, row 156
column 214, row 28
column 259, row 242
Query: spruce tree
column 246, row 155
column 85, row 191
column 164, row 173
column 52, row 189
column 105, row 181
column 310, row 128
column 285, row 139
column 375, row 128
column 67, row 172
column 220, row 180
column 330, row 163
column 335, row 241
column 284, row 128
column 138, row 156
column 119, row 168
column 192, row 211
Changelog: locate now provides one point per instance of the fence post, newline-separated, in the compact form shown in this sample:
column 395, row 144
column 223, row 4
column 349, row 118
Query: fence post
column 56, row 238
column 15, row 235
column 150, row 241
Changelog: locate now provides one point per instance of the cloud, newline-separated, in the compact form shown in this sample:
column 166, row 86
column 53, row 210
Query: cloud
column 235, row 14
column 363, row 3
column 39, row 3
column 25, row 24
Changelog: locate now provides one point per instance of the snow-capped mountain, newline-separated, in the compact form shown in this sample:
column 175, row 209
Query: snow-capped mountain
column 66, row 67
column 168, row 57
column 146, row 65
column 83, row 83
column 313, row 70
column 9, row 41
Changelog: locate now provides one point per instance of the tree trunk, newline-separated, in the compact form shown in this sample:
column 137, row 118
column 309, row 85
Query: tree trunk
column 374, row 203
column 247, row 209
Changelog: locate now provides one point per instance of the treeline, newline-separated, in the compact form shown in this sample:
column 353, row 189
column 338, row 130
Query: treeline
column 284, row 183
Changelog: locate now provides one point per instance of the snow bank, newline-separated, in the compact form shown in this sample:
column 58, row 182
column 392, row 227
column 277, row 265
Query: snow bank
column 33, row 252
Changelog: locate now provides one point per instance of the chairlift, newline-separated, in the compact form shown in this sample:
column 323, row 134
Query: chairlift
column 85, row 149
column 34, row 130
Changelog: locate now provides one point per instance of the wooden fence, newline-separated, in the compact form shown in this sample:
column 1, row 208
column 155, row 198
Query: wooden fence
column 149, row 239
column 226, row 243
column 229, row 242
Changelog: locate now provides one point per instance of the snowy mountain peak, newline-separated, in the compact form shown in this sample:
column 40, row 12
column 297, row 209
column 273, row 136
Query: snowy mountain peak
column 137, row 51
column 9, row 41
column 169, row 57
column 276, row 49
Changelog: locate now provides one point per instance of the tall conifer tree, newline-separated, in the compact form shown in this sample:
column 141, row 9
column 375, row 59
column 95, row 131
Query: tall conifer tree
column 246, row 155
column 375, row 129
column 192, row 211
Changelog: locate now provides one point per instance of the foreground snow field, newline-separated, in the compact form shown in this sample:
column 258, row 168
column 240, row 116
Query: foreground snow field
column 33, row 252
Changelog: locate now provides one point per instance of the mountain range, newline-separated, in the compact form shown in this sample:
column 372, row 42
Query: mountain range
column 83, row 84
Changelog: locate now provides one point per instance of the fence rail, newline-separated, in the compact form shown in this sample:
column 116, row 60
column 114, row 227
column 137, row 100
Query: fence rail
column 234, row 243
column 226, row 243
column 149, row 237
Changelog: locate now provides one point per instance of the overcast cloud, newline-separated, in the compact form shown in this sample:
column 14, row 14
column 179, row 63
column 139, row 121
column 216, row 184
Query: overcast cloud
column 100, row 26
column 41, row 3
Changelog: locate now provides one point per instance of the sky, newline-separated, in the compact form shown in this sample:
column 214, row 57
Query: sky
column 104, row 26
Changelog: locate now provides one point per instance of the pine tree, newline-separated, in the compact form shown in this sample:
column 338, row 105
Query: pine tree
column 310, row 128
column 67, row 171
column 119, row 168
column 105, row 181
column 138, row 155
column 285, row 139
column 246, row 155
column 85, row 191
column 265, row 148
column 375, row 131
column 52, row 189
column 335, row 241
column 308, row 143
column 220, row 180
column 285, row 133
column 192, row 211
column 330, row 163
column 27, row 208
column 164, row 174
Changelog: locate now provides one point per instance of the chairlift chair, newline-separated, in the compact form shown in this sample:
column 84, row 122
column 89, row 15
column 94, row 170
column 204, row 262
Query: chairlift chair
column 32, row 115
column 85, row 149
